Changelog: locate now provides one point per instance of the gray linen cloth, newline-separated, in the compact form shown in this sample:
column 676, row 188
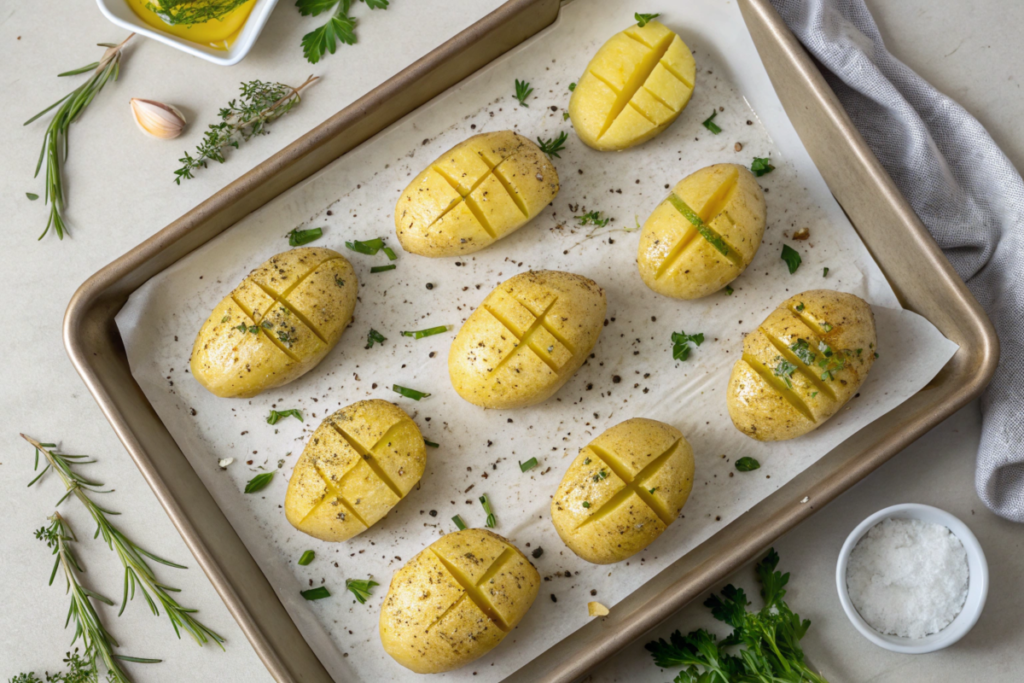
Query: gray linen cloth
column 962, row 187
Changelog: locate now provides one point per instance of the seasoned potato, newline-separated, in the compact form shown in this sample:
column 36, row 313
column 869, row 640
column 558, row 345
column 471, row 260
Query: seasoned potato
column 704, row 234
column 456, row 600
column 633, row 88
column 805, row 361
column 359, row 463
column 527, row 339
column 474, row 194
column 277, row 325
column 623, row 490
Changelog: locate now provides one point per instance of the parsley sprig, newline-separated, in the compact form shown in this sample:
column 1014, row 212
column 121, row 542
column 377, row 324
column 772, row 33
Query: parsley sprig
column 710, row 124
column 644, row 19
column 340, row 26
column 681, row 344
column 523, row 91
column 595, row 218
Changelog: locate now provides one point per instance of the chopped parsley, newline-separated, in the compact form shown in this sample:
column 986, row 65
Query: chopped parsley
column 586, row 461
column 710, row 124
column 408, row 393
column 827, row 327
column 586, row 504
column 284, row 338
column 338, row 281
column 307, row 557
column 729, row 290
column 554, row 146
column 593, row 218
column 651, row 491
column 374, row 337
column 225, row 319
column 601, row 475
column 278, row 415
column 259, row 482
column 800, row 307
column 824, row 272
column 681, row 344
column 572, row 86
column 318, row 593
column 492, row 521
column 644, row 19
column 523, row 91
column 802, row 349
column 297, row 238
column 243, row 328
column 785, row 370
column 747, row 465
column 792, row 258
column 761, row 166
column 459, row 523
column 360, row 588
column 528, row 465
column 565, row 116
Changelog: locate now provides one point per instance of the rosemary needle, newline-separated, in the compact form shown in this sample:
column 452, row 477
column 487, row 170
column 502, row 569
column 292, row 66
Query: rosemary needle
column 137, row 572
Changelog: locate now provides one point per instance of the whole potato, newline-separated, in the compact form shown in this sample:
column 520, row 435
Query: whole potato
column 705, row 234
column 277, row 324
column 527, row 338
column 474, row 194
column 633, row 88
column 805, row 361
column 360, row 462
column 456, row 601
column 623, row 490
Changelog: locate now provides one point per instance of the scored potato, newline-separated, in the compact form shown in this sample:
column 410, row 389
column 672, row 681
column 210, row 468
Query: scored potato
column 456, row 601
column 527, row 338
column 705, row 234
column 804, row 362
column 633, row 88
column 623, row 490
column 277, row 324
column 474, row 194
column 360, row 462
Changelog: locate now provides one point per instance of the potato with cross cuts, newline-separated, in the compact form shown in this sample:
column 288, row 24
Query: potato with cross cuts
column 623, row 490
column 277, row 324
column 527, row 338
column 360, row 462
column 705, row 234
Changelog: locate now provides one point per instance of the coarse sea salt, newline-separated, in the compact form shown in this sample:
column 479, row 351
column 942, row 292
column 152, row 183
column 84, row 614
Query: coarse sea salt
column 908, row 578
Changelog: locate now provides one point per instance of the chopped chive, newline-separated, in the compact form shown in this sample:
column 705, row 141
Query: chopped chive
column 409, row 393
column 307, row 557
column 459, row 523
column 297, row 238
column 390, row 253
column 729, row 290
column 259, row 482
column 360, row 588
column 429, row 332
column 710, row 124
column 373, row 336
column 492, row 521
column 528, row 465
column 824, row 273
column 381, row 269
column 370, row 247
column 277, row 415
column 431, row 443
column 318, row 593
column 761, row 166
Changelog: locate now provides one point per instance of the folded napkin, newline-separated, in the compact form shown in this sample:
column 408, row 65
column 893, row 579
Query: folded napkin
column 962, row 187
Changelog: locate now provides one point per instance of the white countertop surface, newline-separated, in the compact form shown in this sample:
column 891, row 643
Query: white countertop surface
column 120, row 192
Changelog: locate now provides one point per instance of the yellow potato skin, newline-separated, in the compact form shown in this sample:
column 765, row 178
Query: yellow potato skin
column 456, row 601
column 604, row 509
column 676, row 260
column 360, row 462
column 527, row 338
column 292, row 310
column 476, row 193
column 634, row 88
column 762, row 405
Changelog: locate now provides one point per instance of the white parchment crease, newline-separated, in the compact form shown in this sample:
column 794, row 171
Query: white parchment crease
column 631, row 373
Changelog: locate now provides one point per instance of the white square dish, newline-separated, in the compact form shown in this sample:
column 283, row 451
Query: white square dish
column 121, row 14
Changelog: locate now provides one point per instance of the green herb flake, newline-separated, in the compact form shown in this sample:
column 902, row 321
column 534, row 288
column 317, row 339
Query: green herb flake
column 360, row 588
column 492, row 521
column 572, row 87
column 429, row 332
column 225, row 319
column 729, row 290
column 528, row 465
column 595, row 218
column 800, row 307
column 824, row 272
column 747, row 465
column 278, row 415
column 802, row 349
column 827, row 327
column 710, row 124
column 761, row 166
column 713, row 238
column 430, row 443
column 369, row 247
column 284, row 338
column 318, row 593
column 409, row 393
column 523, row 91
column 586, row 504
column 681, row 344
column 651, row 491
column 306, row 558
column 601, row 475
column 586, row 461
column 297, row 238
column 374, row 337
column 792, row 258
column 565, row 116
column 459, row 523
column 644, row 19
column 785, row 370
column 32, row 196
column 383, row 269
column 390, row 253
column 876, row 354
column 554, row 146
column 338, row 281
column 259, row 482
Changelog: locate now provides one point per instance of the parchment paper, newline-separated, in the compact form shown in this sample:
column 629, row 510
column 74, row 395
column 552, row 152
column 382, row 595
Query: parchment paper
column 631, row 374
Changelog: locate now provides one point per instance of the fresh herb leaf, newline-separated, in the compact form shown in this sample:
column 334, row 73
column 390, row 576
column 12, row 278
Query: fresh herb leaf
column 800, row 307
column 408, row 393
column 593, row 218
column 565, row 116
column 340, row 27
column 338, row 281
column 601, row 475
column 459, row 523
column 373, row 336
column 429, row 332
column 523, row 91
column 729, row 290
column 278, row 415
column 681, row 344
column 370, row 247
column 430, row 443
column 824, row 272
column 747, row 465
column 586, row 504
column 528, row 465
column 383, row 269
column 710, row 124
column 307, row 557
column 643, row 19
column 761, row 166
column 318, row 593
column 360, row 588
column 32, row 196
column 572, row 86
column 491, row 519
column 802, row 350
column 792, row 258
column 297, row 238
column 785, row 370
column 554, row 146
column 259, row 482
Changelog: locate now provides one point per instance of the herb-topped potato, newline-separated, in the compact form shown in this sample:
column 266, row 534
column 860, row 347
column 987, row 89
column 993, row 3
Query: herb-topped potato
column 804, row 362
column 633, row 88
column 277, row 325
column 474, row 194
column 623, row 490
column 456, row 601
column 529, row 336
column 360, row 462
column 705, row 234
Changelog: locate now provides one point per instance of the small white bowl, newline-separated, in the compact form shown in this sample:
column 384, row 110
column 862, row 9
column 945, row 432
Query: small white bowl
column 977, row 590
column 121, row 14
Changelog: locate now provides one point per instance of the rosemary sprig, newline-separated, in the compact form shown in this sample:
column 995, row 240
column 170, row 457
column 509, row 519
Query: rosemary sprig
column 96, row 640
column 137, row 572
column 340, row 26
column 189, row 12
column 243, row 119
column 55, row 141
column 553, row 146
column 523, row 91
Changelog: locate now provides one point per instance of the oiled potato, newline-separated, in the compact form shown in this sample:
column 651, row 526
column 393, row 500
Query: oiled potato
column 359, row 463
column 633, row 88
column 474, row 194
column 529, row 336
column 623, row 490
column 456, row 600
column 277, row 325
column 704, row 234
column 805, row 361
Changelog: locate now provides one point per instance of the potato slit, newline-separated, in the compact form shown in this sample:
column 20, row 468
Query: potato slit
column 638, row 37
column 524, row 340
column 610, row 506
column 776, row 383
column 333, row 491
column 456, row 185
column 479, row 215
column 451, row 608
column 673, row 255
column 656, row 97
column 637, row 79
column 547, row 326
column 514, row 196
column 810, row 320
column 369, row 459
column 276, row 342
column 804, row 369
column 477, row 596
column 642, row 113
column 291, row 311
column 720, row 198
column 672, row 70
column 709, row 234
column 634, row 483
column 470, row 203
column 605, row 81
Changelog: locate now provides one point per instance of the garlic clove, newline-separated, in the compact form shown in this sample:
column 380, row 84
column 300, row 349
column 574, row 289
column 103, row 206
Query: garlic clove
column 157, row 119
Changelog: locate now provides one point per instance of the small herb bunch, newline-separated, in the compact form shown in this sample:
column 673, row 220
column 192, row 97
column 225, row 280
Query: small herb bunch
column 770, row 638
column 243, row 119
column 340, row 26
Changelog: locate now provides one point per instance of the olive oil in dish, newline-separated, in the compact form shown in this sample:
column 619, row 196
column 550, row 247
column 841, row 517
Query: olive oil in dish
column 214, row 23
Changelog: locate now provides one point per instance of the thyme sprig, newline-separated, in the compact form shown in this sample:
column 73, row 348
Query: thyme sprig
column 243, row 119
column 97, row 642
column 55, row 141
column 137, row 572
